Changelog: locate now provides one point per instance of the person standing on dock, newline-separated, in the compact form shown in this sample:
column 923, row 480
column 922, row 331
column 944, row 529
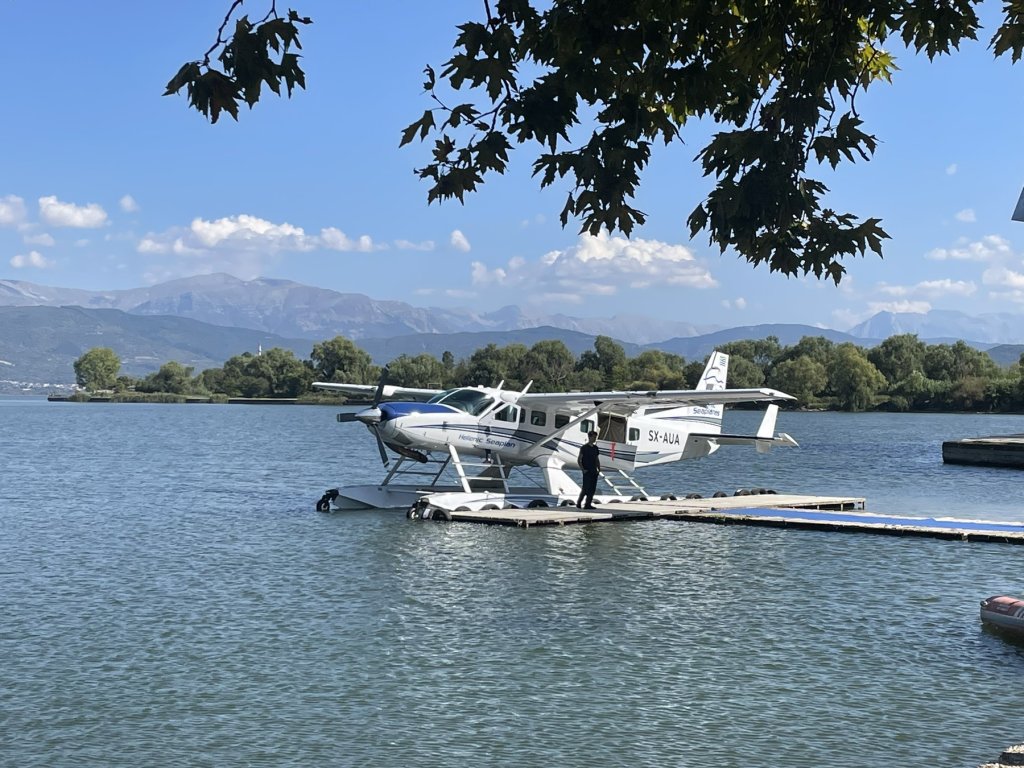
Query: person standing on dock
column 590, row 462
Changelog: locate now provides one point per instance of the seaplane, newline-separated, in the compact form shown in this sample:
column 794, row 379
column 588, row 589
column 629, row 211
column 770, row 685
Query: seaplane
column 467, row 448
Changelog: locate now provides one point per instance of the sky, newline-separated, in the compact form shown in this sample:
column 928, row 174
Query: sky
column 107, row 184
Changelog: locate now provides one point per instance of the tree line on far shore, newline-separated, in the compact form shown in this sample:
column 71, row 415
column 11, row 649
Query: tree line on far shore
column 900, row 374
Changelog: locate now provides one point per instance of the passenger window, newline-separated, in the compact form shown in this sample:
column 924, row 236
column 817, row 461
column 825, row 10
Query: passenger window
column 586, row 426
column 561, row 420
column 505, row 414
column 538, row 418
column 522, row 415
column 634, row 435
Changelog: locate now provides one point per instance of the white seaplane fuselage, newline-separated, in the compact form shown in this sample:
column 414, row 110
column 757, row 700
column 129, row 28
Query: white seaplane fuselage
column 640, row 440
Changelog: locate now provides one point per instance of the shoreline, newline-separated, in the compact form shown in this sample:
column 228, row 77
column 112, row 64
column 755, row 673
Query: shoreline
column 166, row 399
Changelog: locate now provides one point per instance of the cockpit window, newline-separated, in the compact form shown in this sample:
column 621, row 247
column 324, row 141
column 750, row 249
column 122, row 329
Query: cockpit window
column 471, row 401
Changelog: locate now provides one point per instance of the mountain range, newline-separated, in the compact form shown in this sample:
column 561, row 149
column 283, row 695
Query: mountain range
column 201, row 321
column 295, row 310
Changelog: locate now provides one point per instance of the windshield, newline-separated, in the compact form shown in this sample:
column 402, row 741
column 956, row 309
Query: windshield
column 472, row 401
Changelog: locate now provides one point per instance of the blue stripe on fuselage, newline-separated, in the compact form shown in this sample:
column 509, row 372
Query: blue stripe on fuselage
column 395, row 409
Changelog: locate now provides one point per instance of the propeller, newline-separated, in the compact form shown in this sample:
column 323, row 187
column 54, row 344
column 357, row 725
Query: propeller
column 366, row 415
column 380, row 446
column 380, row 386
column 371, row 416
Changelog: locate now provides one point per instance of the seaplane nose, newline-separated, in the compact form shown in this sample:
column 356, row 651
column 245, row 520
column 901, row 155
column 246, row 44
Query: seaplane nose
column 369, row 416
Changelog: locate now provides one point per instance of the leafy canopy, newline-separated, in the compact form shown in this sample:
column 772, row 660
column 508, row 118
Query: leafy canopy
column 593, row 85
column 97, row 369
column 253, row 56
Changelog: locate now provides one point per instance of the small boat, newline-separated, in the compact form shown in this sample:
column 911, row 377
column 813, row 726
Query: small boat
column 1005, row 613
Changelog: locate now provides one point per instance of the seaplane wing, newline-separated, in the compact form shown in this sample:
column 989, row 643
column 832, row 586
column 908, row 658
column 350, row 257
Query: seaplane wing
column 388, row 391
column 668, row 397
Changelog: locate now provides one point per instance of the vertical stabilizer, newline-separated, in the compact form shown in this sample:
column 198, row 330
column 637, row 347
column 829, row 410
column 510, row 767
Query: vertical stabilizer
column 705, row 418
column 715, row 372
column 1018, row 212
column 767, row 428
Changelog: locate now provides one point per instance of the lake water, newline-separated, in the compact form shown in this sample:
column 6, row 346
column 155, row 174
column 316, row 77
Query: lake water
column 169, row 597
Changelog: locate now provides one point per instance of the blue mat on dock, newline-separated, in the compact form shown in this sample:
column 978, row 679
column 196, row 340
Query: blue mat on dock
column 873, row 519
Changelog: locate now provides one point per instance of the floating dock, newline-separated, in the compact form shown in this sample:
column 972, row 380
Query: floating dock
column 995, row 451
column 823, row 513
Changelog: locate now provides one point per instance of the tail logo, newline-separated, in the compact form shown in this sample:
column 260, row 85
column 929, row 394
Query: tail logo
column 714, row 376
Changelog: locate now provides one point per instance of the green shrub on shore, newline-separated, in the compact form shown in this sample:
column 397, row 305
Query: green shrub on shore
column 148, row 397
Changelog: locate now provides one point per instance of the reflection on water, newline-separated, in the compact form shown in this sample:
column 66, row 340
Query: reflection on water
column 170, row 597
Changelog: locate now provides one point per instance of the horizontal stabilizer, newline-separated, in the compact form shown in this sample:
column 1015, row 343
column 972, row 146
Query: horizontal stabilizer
column 763, row 442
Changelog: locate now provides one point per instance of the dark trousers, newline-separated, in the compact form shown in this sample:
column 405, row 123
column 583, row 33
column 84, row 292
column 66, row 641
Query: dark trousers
column 589, row 489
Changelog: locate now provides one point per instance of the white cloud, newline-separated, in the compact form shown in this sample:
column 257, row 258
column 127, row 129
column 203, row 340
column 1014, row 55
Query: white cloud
column 930, row 288
column 561, row 298
column 407, row 245
column 32, row 259
column 915, row 307
column 244, row 245
column 966, row 215
column 945, row 287
column 336, row 240
column 1015, row 296
column 245, row 232
column 128, row 204
column 988, row 248
column 1003, row 278
column 459, row 241
column 600, row 265
column 58, row 214
column 151, row 245
column 481, row 275
column 12, row 211
column 42, row 238
column 603, row 257
column 738, row 303
column 951, row 169
column 893, row 290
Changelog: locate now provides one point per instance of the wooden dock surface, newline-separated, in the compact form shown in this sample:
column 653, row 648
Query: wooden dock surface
column 825, row 513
